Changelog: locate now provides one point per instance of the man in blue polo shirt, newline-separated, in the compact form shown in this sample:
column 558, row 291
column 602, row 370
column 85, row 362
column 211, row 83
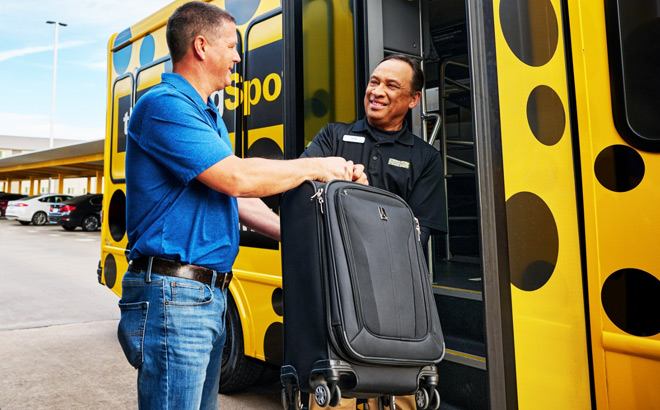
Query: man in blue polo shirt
column 185, row 195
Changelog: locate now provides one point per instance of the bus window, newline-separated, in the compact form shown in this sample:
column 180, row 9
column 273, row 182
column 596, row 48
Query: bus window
column 122, row 105
column 634, row 30
column 149, row 75
column 262, row 102
column 329, row 66
column 262, row 85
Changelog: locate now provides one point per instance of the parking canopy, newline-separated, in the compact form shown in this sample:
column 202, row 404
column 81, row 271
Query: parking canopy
column 84, row 160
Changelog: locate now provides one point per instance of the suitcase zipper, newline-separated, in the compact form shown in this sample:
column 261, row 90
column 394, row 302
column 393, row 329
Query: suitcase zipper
column 319, row 197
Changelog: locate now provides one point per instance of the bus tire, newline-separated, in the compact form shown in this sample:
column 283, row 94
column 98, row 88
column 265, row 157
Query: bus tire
column 238, row 371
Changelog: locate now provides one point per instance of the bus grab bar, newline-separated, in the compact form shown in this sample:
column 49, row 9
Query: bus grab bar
column 436, row 127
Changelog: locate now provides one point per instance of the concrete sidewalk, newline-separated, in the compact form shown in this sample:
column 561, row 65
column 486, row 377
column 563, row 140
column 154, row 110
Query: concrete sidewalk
column 48, row 368
column 81, row 366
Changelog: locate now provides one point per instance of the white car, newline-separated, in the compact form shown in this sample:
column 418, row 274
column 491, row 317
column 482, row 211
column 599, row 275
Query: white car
column 33, row 209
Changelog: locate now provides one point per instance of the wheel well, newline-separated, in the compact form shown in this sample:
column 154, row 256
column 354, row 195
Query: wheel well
column 246, row 321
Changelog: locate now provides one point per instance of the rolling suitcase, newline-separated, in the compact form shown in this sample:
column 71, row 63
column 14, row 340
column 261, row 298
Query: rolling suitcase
column 359, row 314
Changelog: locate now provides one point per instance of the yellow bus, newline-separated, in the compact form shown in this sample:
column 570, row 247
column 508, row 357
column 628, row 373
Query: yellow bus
column 548, row 281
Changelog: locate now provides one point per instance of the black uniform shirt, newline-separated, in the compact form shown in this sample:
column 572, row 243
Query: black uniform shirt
column 398, row 162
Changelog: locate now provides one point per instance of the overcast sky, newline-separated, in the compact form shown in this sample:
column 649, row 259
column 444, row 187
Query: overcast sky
column 26, row 63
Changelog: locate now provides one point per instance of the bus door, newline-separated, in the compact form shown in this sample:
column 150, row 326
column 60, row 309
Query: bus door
column 511, row 331
column 435, row 32
column 327, row 70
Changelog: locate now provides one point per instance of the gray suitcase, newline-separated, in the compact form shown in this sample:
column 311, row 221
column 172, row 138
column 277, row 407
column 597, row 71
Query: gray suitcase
column 359, row 314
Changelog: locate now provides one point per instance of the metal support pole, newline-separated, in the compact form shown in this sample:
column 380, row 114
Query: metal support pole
column 99, row 182
column 52, row 104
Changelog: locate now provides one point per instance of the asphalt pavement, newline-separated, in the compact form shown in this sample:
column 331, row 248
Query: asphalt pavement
column 58, row 345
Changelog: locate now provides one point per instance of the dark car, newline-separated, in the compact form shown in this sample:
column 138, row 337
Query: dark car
column 83, row 211
column 4, row 198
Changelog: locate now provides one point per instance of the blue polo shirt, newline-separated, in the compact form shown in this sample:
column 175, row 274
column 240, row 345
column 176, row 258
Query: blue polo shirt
column 173, row 135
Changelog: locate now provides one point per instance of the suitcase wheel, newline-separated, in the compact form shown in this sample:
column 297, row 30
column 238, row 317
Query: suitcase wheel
column 325, row 395
column 435, row 402
column 386, row 401
column 422, row 399
column 425, row 400
column 291, row 403
column 336, row 396
column 322, row 395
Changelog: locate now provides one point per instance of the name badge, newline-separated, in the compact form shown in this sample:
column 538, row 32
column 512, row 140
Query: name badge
column 398, row 163
column 353, row 138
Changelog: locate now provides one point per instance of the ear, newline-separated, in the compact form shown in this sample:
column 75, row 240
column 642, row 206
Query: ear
column 415, row 99
column 200, row 45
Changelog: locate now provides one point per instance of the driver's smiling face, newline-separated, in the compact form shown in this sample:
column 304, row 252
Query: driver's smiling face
column 388, row 96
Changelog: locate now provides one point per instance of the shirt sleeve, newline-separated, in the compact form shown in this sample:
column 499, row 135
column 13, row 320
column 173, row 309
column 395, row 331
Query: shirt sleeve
column 322, row 145
column 180, row 137
column 427, row 198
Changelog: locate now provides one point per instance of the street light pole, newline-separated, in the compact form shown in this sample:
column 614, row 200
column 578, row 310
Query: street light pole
column 52, row 105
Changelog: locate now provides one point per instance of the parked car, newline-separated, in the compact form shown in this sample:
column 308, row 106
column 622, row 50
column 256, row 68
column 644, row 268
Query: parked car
column 5, row 198
column 33, row 209
column 83, row 211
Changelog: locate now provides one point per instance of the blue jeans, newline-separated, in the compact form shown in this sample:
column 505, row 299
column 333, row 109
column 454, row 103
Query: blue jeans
column 173, row 331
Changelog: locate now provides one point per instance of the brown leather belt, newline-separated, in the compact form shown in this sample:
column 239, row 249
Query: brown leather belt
column 176, row 269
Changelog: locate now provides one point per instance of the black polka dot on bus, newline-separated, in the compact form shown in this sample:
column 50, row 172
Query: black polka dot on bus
column 631, row 300
column 110, row 271
column 619, row 168
column 530, row 29
column 273, row 343
column 277, row 301
column 318, row 104
column 117, row 215
column 533, row 241
column 265, row 148
column 545, row 115
column 242, row 10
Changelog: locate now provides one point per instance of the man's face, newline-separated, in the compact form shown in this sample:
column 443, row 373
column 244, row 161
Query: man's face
column 224, row 55
column 387, row 98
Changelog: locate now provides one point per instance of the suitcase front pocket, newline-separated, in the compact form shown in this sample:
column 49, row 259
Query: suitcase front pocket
column 379, row 237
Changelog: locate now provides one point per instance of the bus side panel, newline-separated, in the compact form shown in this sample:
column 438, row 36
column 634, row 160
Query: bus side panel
column 551, row 354
column 621, row 224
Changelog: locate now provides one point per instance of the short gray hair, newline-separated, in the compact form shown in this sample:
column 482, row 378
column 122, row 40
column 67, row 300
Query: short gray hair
column 191, row 20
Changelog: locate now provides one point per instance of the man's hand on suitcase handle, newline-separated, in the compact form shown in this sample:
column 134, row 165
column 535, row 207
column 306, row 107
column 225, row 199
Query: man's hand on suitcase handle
column 359, row 175
column 328, row 168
